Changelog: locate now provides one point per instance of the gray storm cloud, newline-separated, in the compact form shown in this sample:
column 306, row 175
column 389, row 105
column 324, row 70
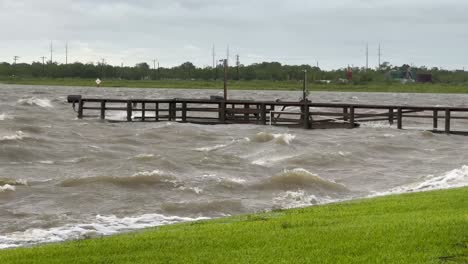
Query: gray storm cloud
column 334, row 33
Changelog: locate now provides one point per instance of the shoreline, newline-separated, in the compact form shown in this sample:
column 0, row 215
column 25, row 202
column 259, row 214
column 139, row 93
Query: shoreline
column 248, row 85
column 398, row 224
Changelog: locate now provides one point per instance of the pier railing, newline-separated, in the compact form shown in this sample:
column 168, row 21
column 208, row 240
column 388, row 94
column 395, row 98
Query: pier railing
column 308, row 115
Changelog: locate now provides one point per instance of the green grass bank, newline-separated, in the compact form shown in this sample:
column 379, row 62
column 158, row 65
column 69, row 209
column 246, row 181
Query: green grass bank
column 429, row 227
column 247, row 85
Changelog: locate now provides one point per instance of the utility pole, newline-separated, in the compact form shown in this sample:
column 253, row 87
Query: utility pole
column 213, row 54
column 43, row 65
column 237, row 65
column 304, row 87
column 159, row 73
column 15, row 58
column 51, row 52
column 380, row 55
column 154, row 69
column 367, row 56
column 66, row 52
column 225, row 64
column 227, row 54
column 102, row 67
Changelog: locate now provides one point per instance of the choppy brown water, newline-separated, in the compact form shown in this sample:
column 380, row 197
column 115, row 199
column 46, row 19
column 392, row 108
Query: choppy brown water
column 63, row 178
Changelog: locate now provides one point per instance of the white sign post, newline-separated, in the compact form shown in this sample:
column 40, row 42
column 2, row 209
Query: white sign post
column 98, row 82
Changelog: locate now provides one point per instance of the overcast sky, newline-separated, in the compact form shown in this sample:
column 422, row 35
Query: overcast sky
column 333, row 32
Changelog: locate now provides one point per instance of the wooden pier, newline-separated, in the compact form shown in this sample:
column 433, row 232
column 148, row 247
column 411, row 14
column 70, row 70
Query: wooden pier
column 303, row 114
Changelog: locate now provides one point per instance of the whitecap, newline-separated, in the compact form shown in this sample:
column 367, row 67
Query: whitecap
column 297, row 199
column 33, row 101
column 7, row 188
column 19, row 135
column 100, row 226
column 452, row 179
column 208, row 149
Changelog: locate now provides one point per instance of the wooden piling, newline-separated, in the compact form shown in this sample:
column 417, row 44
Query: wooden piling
column 143, row 111
column 400, row 118
column 103, row 110
column 222, row 112
column 305, row 119
column 129, row 111
column 345, row 114
column 435, row 119
column 263, row 114
column 80, row 109
column 156, row 112
column 447, row 121
column 390, row 116
column 184, row 112
column 351, row 116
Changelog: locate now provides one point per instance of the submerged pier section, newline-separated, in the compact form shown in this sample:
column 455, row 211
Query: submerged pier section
column 303, row 114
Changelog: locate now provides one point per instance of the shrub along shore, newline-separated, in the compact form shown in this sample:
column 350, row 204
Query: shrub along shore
column 426, row 227
column 246, row 85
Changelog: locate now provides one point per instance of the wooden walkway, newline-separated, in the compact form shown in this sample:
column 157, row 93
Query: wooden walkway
column 307, row 115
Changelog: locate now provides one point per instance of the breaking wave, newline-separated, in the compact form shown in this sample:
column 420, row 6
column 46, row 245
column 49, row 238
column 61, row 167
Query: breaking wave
column 33, row 101
column 13, row 182
column 5, row 117
column 283, row 139
column 301, row 178
column 300, row 198
column 452, row 179
column 138, row 179
column 101, row 226
column 7, row 188
column 213, row 208
column 208, row 149
column 19, row 135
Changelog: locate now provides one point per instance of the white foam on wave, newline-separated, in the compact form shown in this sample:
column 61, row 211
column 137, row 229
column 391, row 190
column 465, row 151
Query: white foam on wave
column 452, row 179
column 33, row 101
column 7, row 188
column 212, row 148
column 101, row 226
column 269, row 161
column 4, row 117
column 19, row 135
column 297, row 199
column 283, row 139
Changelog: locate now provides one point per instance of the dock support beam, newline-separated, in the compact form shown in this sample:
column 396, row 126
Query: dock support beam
column 306, row 116
column 390, row 116
column 156, row 112
column 345, row 113
column 143, row 111
column 400, row 118
column 103, row 110
column 351, row 117
column 222, row 112
column 129, row 111
column 263, row 114
column 80, row 109
column 447, row 121
column 435, row 119
column 184, row 112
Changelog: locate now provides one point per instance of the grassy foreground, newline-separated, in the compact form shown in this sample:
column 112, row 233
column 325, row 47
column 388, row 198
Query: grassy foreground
column 429, row 227
column 246, row 85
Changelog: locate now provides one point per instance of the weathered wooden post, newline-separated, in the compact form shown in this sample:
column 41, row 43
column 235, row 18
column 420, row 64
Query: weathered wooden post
column 399, row 118
column 156, row 112
column 246, row 113
column 351, row 116
column 103, row 109
column 184, row 112
column 435, row 119
column 263, row 114
column 143, row 110
column 390, row 116
column 129, row 110
column 447, row 121
column 306, row 115
column 222, row 112
column 80, row 108
column 345, row 113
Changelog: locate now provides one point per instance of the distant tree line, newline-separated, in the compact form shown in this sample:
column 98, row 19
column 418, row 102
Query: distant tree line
column 273, row 71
